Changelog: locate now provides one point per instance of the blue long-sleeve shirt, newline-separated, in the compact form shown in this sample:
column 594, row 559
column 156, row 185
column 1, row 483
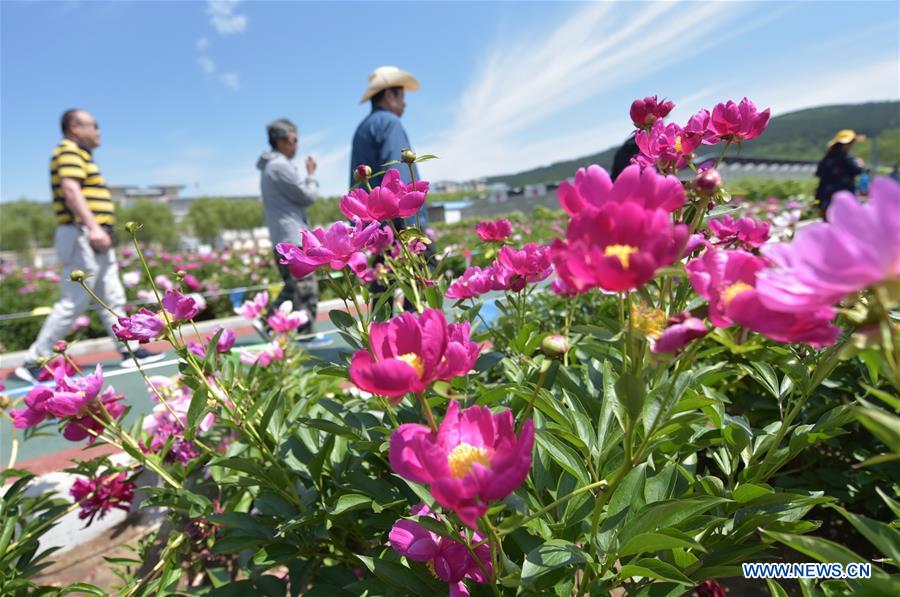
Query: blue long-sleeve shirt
column 379, row 139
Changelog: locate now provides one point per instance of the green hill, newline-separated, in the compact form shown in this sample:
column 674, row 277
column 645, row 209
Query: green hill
column 799, row 135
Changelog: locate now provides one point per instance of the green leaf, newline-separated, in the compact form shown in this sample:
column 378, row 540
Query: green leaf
column 653, row 542
column 883, row 425
column 553, row 554
column 396, row 575
column 195, row 411
column 351, row 501
column 653, row 568
column 342, row 319
column 820, row 549
column 632, row 393
column 892, row 504
column 775, row 589
column 882, row 536
column 563, row 455
column 750, row 491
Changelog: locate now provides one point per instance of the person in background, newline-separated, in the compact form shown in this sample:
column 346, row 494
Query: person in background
column 623, row 156
column 864, row 179
column 84, row 240
column 285, row 197
column 380, row 138
column 837, row 171
column 895, row 172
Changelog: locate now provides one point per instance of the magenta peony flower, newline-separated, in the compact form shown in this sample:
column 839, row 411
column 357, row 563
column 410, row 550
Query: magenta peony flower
column 101, row 494
column 645, row 112
column 474, row 282
column 165, row 425
column 224, row 344
column 474, row 458
column 683, row 328
column 254, row 308
column 447, row 558
column 285, row 319
column 191, row 283
column 665, row 146
column 409, row 353
column 55, row 364
column 618, row 247
column 857, row 248
column 593, row 188
column 494, row 230
column 530, row 264
column 727, row 280
column 391, row 199
column 736, row 122
column 747, row 232
column 179, row 307
column 336, row 247
column 381, row 239
column 142, row 327
column 35, row 411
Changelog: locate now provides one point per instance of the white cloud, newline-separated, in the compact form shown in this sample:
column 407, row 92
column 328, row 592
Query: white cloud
column 231, row 80
column 202, row 43
column 222, row 16
column 207, row 64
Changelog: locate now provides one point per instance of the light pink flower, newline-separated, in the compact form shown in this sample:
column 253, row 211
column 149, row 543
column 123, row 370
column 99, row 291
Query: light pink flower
column 474, row 458
column 727, row 280
column 391, row 199
column 81, row 322
column 131, row 279
column 857, row 248
column 494, row 230
column 747, row 232
column 271, row 353
column 736, row 122
column 594, row 188
column 336, row 247
column 408, row 353
column 448, row 558
column 254, row 308
column 285, row 319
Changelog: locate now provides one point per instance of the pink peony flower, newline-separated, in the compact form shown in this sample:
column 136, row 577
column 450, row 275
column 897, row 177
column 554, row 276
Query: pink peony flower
column 409, row 353
column 142, row 327
column 593, row 188
column 683, row 328
column 665, row 146
column 736, row 122
column 727, row 280
column 179, row 307
column 381, row 239
column 131, row 279
column 163, row 283
column 191, row 283
column 474, row 282
column 528, row 265
column 448, row 558
column 494, row 230
column 224, row 343
column 35, row 411
column 858, row 247
column 474, row 458
column 101, row 494
column 618, row 247
column 645, row 112
column 391, row 199
column 55, row 364
column 285, row 319
column 336, row 247
column 747, row 232
column 254, row 308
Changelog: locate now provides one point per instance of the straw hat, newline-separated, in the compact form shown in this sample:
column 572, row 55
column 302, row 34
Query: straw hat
column 385, row 77
column 845, row 136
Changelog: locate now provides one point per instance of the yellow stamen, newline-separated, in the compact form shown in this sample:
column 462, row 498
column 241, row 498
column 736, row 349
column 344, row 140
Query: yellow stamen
column 414, row 361
column 622, row 252
column 464, row 456
column 648, row 321
column 678, row 143
column 734, row 290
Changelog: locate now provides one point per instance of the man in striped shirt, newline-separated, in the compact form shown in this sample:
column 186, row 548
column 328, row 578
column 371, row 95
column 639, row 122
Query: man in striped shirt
column 84, row 241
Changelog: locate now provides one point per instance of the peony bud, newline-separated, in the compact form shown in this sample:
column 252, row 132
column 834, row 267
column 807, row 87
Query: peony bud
column 708, row 182
column 77, row 275
column 362, row 173
column 555, row 345
column 408, row 156
column 132, row 227
column 5, row 402
column 180, row 274
column 61, row 346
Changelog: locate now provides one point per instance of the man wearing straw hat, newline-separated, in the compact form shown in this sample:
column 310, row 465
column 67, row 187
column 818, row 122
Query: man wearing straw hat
column 380, row 137
column 837, row 171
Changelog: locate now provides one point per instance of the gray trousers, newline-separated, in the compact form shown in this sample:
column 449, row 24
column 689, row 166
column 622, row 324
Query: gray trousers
column 75, row 252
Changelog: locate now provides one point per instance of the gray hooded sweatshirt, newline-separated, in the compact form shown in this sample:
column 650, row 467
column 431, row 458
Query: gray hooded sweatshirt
column 285, row 197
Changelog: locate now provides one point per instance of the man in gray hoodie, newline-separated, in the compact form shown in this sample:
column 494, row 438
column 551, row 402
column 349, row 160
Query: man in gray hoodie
column 285, row 197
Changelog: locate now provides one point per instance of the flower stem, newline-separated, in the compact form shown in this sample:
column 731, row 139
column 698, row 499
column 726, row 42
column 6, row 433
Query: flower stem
column 428, row 413
column 537, row 388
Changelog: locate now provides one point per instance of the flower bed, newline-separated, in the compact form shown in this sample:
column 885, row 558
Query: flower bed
column 663, row 397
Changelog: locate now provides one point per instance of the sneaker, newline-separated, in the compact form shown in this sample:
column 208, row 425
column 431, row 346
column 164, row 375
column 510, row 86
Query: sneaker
column 143, row 356
column 314, row 341
column 28, row 372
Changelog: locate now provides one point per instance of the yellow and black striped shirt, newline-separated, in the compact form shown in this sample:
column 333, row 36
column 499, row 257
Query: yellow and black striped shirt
column 71, row 161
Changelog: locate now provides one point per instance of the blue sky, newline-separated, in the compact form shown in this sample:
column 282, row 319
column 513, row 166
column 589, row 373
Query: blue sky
column 183, row 90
